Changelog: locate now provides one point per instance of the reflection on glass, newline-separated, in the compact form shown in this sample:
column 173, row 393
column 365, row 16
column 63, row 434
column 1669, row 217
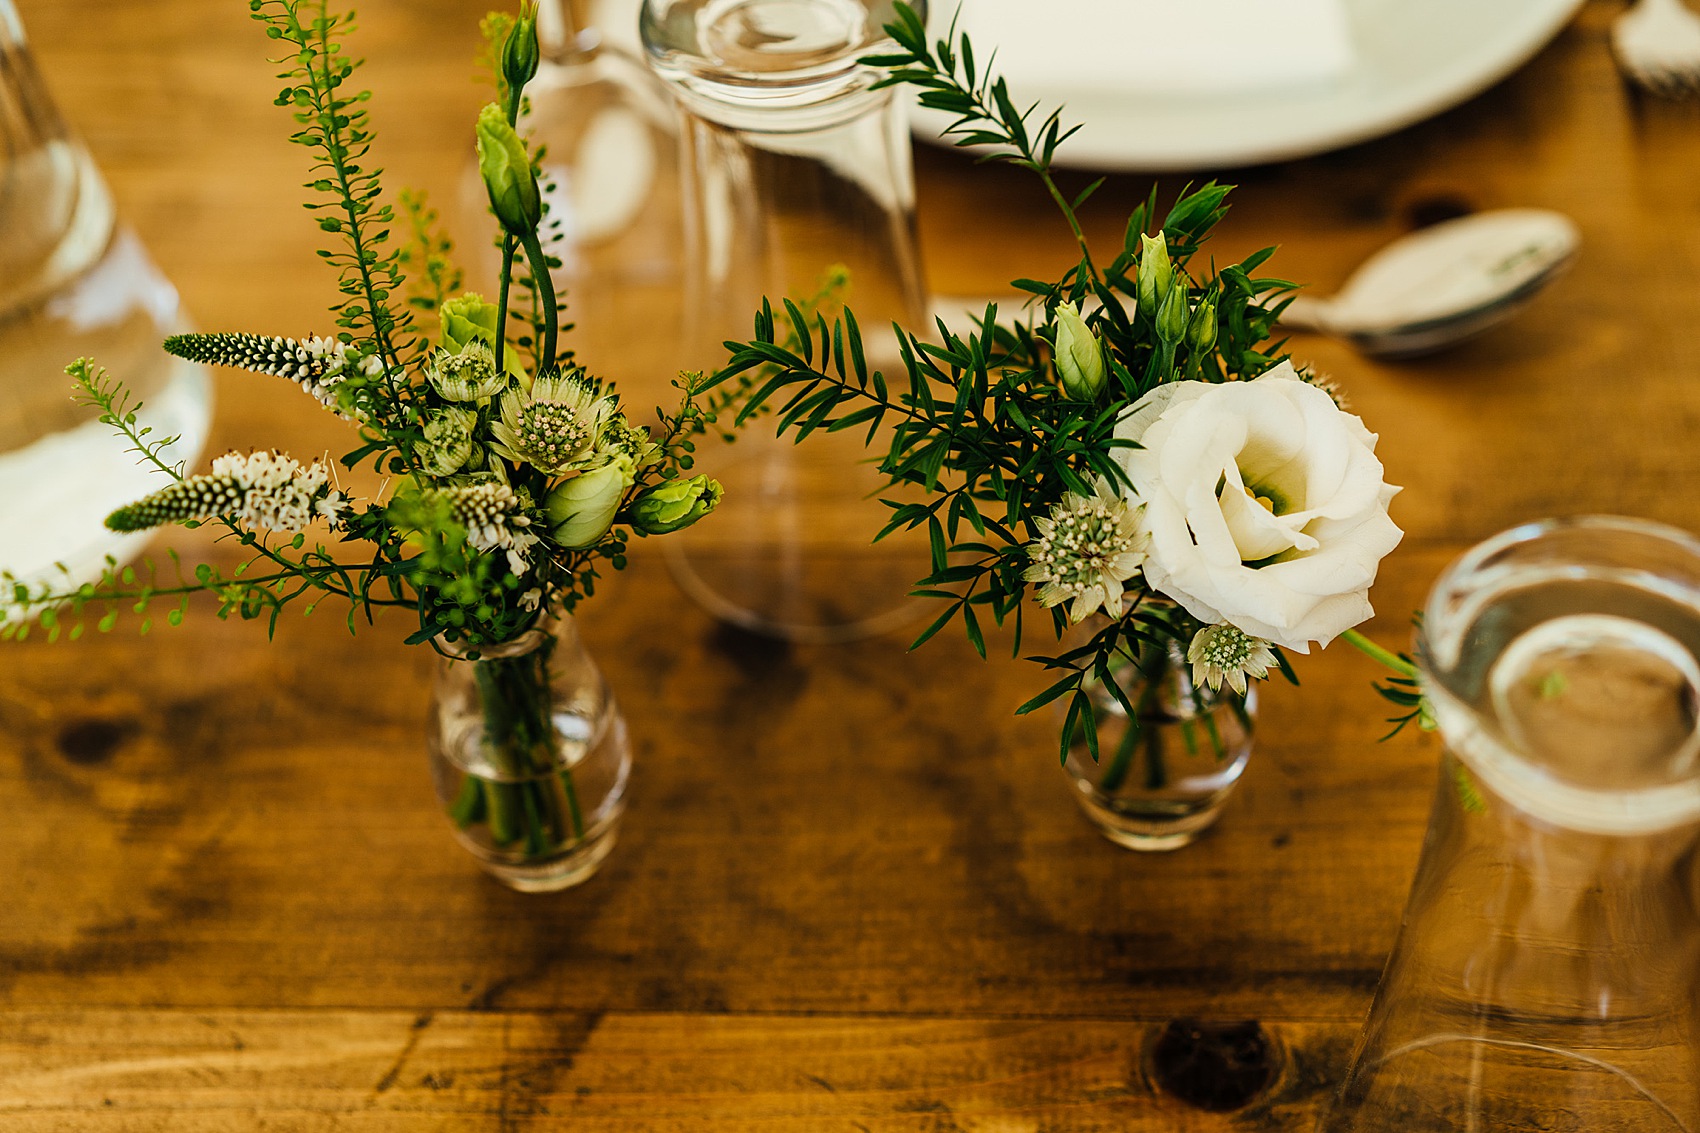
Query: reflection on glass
column 73, row 283
column 799, row 184
column 1546, row 973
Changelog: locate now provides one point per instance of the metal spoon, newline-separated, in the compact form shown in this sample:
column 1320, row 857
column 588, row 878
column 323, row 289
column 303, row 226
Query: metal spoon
column 1443, row 284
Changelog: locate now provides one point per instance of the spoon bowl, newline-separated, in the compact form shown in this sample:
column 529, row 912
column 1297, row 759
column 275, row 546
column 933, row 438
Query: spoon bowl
column 1441, row 285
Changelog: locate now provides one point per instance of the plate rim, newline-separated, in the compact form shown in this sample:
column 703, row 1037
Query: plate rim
column 1084, row 152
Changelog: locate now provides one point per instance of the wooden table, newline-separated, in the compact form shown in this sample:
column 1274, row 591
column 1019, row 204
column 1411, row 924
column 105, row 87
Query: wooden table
column 851, row 892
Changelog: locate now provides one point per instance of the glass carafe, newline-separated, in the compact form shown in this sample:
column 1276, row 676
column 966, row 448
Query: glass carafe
column 799, row 184
column 1545, row 975
column 73, row 283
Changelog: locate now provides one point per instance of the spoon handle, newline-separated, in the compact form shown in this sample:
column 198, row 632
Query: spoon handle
column 1307, row 312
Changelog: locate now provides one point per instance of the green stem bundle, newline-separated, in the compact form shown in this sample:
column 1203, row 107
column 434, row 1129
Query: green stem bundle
column 532, row 806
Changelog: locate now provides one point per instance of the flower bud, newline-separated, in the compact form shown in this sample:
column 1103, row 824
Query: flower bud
column 1080, row 356
column 520, row 53
column 1155, row 273
column 448, row 443
column 1173, row 316
column 466, row 317
column 507, row 172
column 675, row 504
column 581, row 510
column 1201, row 335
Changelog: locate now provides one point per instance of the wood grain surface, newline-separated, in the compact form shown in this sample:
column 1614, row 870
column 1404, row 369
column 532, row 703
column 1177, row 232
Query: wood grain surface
column 851, row 892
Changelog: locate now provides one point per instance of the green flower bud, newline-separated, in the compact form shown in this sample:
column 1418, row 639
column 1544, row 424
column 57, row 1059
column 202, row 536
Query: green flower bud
column 1155, row 273
column 1173, row 316
column 520, row 54
column 508, row 176
column 675, row 504
column 1202, row 333
column 581, row 510
column 448, row 443
column 467, row 317
column 1080, row 356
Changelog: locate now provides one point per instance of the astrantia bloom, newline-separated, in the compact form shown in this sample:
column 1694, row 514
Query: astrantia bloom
column 622, row 438
column 1087, row 547
column 262, row 490
column 467, row 374
column 448, row 441
column 1224, row 653
column 493, row 515
column 554, row 426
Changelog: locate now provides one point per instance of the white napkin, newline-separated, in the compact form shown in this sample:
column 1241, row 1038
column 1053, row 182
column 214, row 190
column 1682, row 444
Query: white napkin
column 1176, row 48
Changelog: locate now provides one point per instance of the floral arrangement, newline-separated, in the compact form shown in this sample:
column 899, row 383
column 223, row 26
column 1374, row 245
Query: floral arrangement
column 513, row 472
column 1134, row 454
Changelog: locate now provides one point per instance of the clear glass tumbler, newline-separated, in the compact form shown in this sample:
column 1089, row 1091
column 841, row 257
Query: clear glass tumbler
column 73, row 283
column 799, row 184
column 608, row 132
column 1545, row 977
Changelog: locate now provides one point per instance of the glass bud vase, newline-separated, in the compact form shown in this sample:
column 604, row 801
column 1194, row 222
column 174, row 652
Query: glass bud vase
column 530, row 757
column 799, row 184
column 1545, row 976
column 1162, row 776
column 74, row 282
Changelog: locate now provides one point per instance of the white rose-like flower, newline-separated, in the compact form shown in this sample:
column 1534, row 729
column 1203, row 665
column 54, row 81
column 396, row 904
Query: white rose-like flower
column 1264, row 505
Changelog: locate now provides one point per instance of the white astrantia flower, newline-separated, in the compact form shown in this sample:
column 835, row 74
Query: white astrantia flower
column 1264, row 505
column 622, row 438
column 493, row 515
column 1087, row 547
column 554, row 426
column 278, row 494
column 1225, row 653
column 448, row 441
column 466, row 375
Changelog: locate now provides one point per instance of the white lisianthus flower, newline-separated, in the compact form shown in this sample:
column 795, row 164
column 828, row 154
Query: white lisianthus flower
column 1264, row 505
column 1087, row 548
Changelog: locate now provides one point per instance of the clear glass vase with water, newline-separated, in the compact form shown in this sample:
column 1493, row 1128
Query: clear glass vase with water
column 1547, row 971
column 73, row 282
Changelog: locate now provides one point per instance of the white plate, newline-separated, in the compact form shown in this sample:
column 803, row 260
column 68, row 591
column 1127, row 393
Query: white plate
column 1415, row 58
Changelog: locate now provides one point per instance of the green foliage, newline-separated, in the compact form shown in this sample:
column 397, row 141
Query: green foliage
column 335, row 127
column 1403, row 690
column 480, row 570
column 493, row 31
column 433, row 278
column 979, row 421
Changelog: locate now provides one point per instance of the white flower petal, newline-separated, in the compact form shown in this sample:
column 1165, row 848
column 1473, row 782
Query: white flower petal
column 1208, row 450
